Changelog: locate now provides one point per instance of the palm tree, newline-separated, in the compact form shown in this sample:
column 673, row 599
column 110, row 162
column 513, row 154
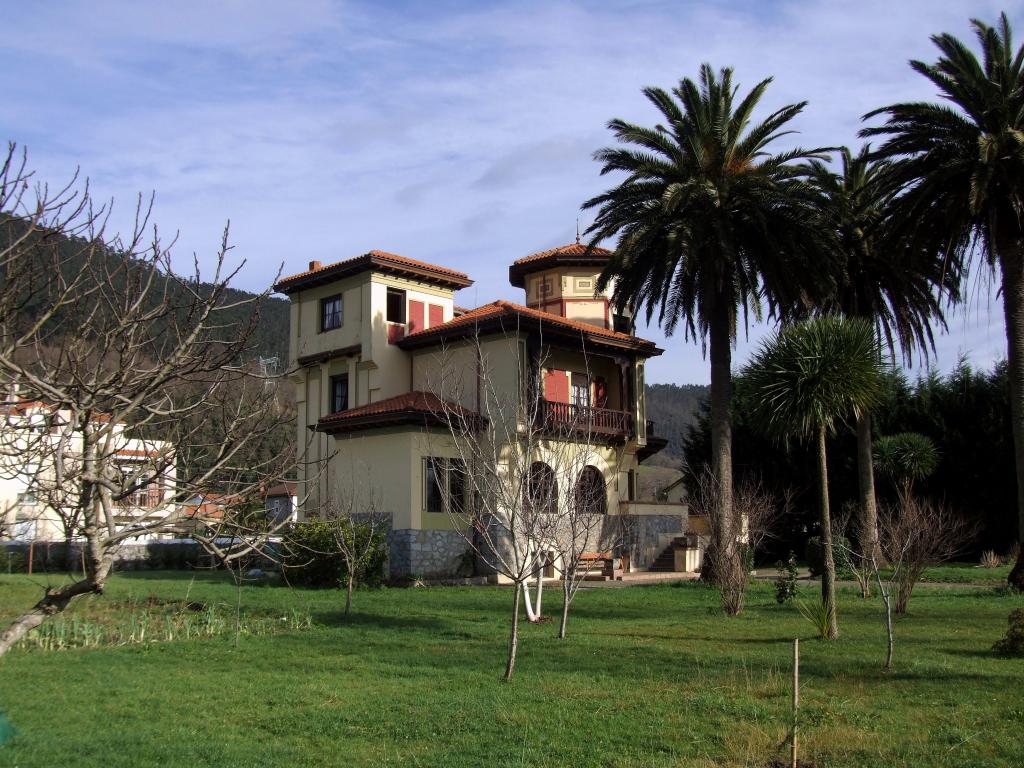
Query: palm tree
column 958, row 169
column 895, row 288
column 806, row 381
column 708, row 221
column 904, row 458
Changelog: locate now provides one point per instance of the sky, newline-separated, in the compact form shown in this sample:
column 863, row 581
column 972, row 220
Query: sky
column 459, row 133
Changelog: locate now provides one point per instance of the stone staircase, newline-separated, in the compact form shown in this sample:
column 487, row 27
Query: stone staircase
column 666, row 561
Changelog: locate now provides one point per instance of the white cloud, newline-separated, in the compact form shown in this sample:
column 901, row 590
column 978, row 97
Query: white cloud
column 323, row 129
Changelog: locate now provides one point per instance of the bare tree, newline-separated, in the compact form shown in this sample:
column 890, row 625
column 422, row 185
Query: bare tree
column 922, row 534
column 126, row 359
column 356, row 527
column 528, row 499
column 754, row 518
column 913, row 535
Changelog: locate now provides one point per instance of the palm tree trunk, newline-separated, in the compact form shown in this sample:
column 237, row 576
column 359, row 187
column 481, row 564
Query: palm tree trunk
column 868, row 528
column 828, row 578
column 725, row 558
column 1012, row 263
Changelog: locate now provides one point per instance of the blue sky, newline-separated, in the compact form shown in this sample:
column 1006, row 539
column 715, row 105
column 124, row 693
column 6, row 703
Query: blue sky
column 454, row 132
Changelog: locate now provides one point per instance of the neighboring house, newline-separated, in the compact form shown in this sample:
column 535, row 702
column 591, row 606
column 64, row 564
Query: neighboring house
column 374, row 343
column 36, row 506
column 282, row 503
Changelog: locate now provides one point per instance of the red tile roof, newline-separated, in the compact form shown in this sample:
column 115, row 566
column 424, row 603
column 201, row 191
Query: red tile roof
column 378, row 260
column 573, row 254
column 500, row 310
column 572, row 250
column 412, row 407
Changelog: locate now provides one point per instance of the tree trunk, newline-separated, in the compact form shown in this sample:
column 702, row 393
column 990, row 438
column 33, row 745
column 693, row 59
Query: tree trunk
column 566, row 597
column 70, row 561
column 1011, row 258
column 540, row 586
column 725, row 556
column 348, row 594
column 887, row 600
column 828, row 578
column 54, row 601
column 531, row 616
column 513, row 640
column 868, row 509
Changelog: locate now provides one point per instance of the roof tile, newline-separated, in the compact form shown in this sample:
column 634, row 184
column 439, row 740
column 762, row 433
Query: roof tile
column 510, row 309
column 369, row 257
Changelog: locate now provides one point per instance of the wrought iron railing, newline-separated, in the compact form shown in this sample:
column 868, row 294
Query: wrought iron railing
column 584, row 418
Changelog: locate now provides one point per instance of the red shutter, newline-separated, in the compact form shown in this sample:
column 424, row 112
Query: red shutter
column 395, row 333
column 415, row 316
column 556, row 387
column 436, row 315
column 601, row 392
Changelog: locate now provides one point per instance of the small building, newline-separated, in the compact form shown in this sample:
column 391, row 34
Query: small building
column 35, row 505
column 378, row 348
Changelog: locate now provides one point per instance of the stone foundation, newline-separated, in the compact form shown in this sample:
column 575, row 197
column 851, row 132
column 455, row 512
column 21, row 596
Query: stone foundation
column 426, row 554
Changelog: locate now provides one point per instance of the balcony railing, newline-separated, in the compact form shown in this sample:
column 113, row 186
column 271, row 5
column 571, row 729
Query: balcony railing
column 568, row 417
column 146, row 499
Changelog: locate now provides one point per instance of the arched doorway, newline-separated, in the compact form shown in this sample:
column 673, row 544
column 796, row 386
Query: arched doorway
column 591, row 496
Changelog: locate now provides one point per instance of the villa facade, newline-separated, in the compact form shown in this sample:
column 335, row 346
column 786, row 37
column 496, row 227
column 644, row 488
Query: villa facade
column 379, row 348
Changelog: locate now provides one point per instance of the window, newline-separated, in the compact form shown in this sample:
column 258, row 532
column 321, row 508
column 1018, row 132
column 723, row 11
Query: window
column 580, row 394
column 444, row 485
column 591, row 496
column 396, row 305
column 542, row 490
column 27, row 499
column 339, row 393
column 433, row 499
column 330, row 313
column 457, row 486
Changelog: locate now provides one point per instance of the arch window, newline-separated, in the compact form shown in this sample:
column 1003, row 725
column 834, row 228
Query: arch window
column 542, row 490
column 591, row 496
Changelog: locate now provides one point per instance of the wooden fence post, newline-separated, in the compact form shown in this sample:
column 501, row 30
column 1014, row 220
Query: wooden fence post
column 796, row 701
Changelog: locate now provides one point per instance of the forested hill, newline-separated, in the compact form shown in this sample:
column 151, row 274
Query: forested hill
column 673, row 407
column 271, row 335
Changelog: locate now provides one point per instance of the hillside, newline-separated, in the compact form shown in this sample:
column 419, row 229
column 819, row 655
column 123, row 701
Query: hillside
column 673, row 407
column 74, row 254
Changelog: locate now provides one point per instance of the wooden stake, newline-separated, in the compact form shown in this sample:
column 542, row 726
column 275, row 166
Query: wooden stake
column 796, row 700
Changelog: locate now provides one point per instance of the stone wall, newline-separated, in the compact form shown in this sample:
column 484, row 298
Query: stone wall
column 426, row 554
column 48, row 556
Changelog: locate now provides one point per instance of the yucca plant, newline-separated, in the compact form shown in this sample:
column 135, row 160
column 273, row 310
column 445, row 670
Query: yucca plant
column 819, row 615
column 809, row 380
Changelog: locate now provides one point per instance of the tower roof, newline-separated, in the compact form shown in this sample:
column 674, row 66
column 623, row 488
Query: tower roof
column 571, row 255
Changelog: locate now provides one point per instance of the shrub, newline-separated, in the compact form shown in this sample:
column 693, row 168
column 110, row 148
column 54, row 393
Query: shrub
column 815, row 554
column 990, row 559
column 1013, row 643
column 313, row 558
column 785, row 584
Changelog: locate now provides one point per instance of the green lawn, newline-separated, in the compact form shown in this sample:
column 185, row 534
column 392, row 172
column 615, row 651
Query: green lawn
column 650, row 676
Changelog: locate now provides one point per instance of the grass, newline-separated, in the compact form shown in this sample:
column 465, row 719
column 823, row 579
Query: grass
column 649, row 676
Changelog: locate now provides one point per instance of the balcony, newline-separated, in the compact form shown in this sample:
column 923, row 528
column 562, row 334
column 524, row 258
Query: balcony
column 568, row 418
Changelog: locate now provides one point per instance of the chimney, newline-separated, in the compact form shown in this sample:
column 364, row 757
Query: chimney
column 314, row 266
